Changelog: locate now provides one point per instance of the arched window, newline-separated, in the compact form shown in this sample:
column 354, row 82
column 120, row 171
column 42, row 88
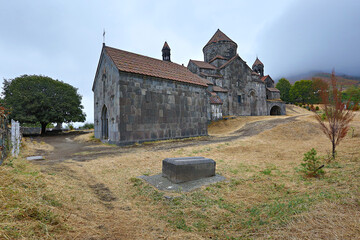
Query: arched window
column 253, row 103
column 104, row 123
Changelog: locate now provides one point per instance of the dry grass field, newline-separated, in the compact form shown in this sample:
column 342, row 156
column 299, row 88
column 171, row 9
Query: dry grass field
column 264, row 197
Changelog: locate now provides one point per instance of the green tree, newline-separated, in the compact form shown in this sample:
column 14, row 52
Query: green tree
column 351, row 94
column 302, row 91
column 41, row 99
column 284, row 86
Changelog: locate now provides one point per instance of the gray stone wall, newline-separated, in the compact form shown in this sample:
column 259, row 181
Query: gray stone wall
column 238, row 80
column 218, row 62
column 225, row 49
column 272, row 95
column 106, row 95
column 193, row 68
column 269, row 83
column 154, row 109
column 276, row 104
column 144, row 108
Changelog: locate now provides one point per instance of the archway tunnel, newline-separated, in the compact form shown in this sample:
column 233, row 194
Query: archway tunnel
column 275, row 110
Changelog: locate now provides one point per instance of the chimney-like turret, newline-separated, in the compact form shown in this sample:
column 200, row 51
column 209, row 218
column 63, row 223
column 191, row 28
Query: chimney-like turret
column 166, row 52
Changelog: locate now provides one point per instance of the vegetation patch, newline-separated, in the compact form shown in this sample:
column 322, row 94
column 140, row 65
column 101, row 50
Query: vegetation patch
column 28, row 210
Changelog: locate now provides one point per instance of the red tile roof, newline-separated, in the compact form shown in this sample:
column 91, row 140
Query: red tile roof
column 215, row 100
column 257, row 62
column 202, row 64
column 265, row 77
column 219, row 89
column 217, row 57
column 219, row 36
column 166, row 46
column 139, row 64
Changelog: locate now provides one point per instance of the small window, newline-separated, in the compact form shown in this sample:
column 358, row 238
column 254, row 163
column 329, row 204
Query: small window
column 239, row 98
column 104, row 84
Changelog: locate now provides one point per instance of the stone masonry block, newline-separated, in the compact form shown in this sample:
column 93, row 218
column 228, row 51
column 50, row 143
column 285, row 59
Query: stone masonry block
column 186, row 169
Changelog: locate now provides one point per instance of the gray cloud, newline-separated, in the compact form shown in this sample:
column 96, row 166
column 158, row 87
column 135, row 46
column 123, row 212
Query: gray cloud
column 313, row 35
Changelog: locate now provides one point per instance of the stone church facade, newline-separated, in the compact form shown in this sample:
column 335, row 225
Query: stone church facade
column 138, row 98
column 240, row 90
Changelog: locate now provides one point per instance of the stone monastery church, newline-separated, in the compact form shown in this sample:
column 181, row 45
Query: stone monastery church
column 138, row 98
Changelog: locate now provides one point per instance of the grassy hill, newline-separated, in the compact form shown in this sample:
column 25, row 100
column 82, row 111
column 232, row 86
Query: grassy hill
column 343, row 79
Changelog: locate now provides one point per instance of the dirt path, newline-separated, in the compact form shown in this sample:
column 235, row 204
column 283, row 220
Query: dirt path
column 65, row 147
column 249, row 130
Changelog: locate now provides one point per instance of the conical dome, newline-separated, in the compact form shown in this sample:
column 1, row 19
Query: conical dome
column 219, row 45
column 219, row 36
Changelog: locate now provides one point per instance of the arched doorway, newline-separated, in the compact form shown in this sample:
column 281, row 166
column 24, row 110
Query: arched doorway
column 252, row 104
column 104, row 124
column 275, row 110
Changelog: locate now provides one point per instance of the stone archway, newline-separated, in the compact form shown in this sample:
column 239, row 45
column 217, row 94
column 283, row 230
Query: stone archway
column 104, row 124
column 252, row 103
column 275, row 110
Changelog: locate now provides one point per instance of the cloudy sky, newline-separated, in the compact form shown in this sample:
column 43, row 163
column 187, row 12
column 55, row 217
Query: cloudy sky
column 63, row 39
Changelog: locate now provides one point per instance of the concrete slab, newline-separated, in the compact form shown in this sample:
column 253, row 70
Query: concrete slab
column 35, row 158
column 165, row 184
column 186, row 169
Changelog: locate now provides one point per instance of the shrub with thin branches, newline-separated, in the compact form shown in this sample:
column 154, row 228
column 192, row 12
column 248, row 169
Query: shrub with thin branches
column 335, row 117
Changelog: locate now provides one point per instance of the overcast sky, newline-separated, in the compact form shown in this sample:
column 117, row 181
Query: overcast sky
column 63, row 39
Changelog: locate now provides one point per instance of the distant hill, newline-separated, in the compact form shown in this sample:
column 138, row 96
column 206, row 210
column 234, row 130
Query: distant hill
column 342, row 79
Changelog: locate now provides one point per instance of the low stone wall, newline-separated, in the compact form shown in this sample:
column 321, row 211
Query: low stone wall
column 31, row 130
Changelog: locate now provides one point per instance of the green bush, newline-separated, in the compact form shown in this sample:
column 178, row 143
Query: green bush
column 311, row 165
column 87, row 126
column 317, row 108
column 323, row 117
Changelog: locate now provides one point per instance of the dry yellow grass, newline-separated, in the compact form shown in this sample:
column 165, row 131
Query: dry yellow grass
column 264, row 196
column 32, row 147
column 87, row 137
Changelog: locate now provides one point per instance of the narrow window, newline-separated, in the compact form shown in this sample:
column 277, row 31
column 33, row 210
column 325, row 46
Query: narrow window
column 104, row 84
column 239, row 98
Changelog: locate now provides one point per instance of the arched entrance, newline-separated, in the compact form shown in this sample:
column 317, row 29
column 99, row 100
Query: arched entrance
column 104, row 124
column 275, row 110
column 252, row 103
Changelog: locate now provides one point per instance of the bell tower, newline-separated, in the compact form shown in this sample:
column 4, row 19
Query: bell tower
column 258, row 67
column 166, row 52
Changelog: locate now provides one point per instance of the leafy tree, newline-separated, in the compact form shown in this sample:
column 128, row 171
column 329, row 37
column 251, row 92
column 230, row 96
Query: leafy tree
column 284, row 86
column 352, row 94
column 302, row 91
column 335, row 124
column 41, row 99
column 318, row 86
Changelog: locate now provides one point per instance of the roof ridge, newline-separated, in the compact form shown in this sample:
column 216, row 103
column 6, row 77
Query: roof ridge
column 219, row 36
column 230, row 60
column 143, row 56
column 217, row 57
column 139, row 64
column 203, row 63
